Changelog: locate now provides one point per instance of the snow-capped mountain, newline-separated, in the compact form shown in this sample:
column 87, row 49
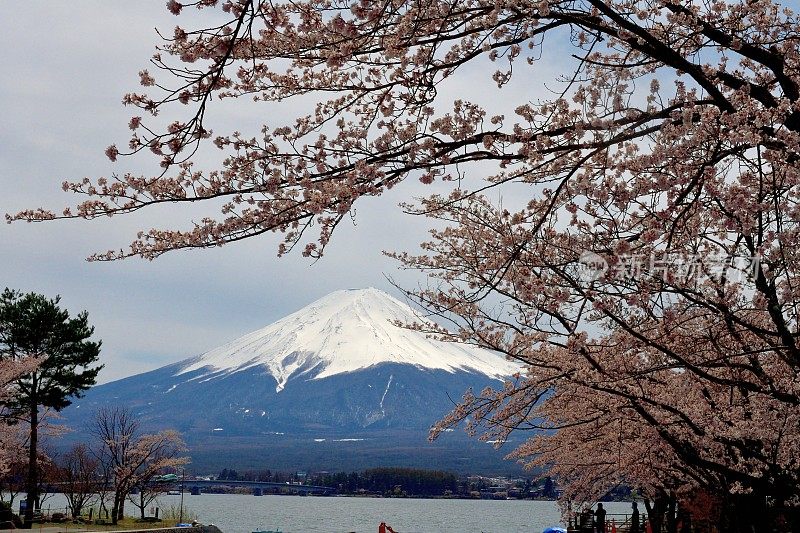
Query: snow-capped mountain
column 345, row 331
column 336, row 385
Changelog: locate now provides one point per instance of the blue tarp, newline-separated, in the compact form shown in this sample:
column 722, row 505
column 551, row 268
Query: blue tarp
column 555, row 529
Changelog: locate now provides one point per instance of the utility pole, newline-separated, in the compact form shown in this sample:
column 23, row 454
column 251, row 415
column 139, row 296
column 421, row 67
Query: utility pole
column 183, row 483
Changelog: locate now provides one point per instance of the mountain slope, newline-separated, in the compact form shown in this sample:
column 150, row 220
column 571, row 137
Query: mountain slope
column 337, row 374
column 345, row 331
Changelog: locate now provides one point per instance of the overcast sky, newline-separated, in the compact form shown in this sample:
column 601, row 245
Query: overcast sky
column 66, row 66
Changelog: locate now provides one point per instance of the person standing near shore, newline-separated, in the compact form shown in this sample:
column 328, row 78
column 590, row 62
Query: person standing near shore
column 600, row 519
column 635, row 519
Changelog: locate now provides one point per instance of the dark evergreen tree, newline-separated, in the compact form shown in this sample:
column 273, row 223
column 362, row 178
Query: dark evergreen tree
column 549, row 490
column 33, row 325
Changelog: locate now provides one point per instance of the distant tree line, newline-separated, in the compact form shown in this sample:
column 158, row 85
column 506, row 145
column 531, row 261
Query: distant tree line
column 258, row 475
column 392, row 481
column 385, row 480
column 399, row 481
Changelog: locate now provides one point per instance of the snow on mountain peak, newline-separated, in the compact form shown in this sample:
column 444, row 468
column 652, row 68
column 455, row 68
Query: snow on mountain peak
column 344, row 331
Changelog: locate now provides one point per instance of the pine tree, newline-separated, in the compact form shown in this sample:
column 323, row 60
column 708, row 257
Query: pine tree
column 32, row 325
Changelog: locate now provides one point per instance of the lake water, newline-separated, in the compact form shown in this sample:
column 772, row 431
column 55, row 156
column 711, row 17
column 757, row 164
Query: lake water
column 235, row 513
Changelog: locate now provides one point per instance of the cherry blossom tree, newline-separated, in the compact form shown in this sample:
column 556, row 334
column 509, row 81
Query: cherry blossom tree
column 643, row 265
column 12, row 480
column 10, row 371
column 129, row 457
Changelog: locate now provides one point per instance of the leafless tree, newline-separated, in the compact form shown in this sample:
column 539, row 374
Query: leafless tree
column 79, row 475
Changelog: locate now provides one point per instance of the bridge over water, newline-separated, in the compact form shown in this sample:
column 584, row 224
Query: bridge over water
column 196, row 486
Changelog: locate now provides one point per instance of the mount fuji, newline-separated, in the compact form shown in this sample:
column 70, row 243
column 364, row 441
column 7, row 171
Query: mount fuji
column 336, row 385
